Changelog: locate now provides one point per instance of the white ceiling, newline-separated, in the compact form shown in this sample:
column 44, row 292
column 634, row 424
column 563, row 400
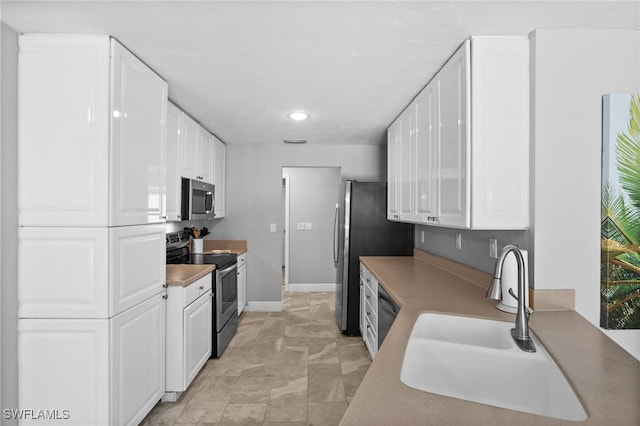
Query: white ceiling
column 239, row 67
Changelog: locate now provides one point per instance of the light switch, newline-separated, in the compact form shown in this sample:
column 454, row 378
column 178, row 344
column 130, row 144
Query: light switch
column 300, row 226
column 308, row 226
column 272, row 228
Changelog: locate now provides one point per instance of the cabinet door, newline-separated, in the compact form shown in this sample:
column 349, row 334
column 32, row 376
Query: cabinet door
column 453, row 111
column 219, row 171
column 393, row 211
column 500, row 133
column 138, row 140
column 174, row 152
column 425, row 156
column 189, row 147
column 137, row 268
column 63, row 120
column 204, row 170
column 137, row 356
column 406, row 159
column 197, row 336
column 242, row 288
column 64, row 364
column 63, row 272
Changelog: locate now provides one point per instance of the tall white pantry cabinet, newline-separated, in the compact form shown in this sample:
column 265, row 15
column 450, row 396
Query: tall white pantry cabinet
column 91, row 265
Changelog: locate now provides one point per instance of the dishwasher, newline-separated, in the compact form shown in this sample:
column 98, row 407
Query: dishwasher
column 387, row 312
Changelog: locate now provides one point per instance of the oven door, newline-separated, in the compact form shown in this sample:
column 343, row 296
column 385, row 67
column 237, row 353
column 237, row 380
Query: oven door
column 226, row 295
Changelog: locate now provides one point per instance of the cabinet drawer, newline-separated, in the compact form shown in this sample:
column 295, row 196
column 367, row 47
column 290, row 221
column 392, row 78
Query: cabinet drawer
column 371, row 296
column 196, row 289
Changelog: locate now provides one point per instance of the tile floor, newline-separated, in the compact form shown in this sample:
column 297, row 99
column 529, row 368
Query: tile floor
column 292, row 367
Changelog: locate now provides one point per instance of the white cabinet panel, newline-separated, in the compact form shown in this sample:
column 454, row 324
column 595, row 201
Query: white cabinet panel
column 137, row 265
column 406, row 163
column 174, row 162
column 64, row 128
column 189, row 156
column 138, row 150
column 393, row 170
column 425, row 155
column 452, row 82
column 137, row 361
column 219, row 176
column 63, row 273
column 104, row 371
column 64, row 364
column 499, row 132
column 88, row 272
column 204, row 170
column 242, row 282
column 198, row 328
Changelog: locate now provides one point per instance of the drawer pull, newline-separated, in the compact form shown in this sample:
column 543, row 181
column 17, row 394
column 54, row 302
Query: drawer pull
column 201, row 287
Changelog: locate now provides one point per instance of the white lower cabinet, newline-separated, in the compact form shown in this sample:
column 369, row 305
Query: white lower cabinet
column 369, row 311
column 189, row 334
column 242, row 282
column 93, row 371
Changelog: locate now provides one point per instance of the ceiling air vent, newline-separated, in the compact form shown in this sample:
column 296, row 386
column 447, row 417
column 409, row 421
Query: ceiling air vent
column 295, row 141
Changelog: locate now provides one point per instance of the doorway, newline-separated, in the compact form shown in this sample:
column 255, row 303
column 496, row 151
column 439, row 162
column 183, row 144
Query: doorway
column 310, row 196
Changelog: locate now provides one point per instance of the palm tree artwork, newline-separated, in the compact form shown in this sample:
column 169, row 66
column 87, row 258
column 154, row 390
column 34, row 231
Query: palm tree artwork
column 620, row 213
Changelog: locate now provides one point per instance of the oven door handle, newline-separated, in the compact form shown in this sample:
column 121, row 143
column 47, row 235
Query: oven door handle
column 226, row 271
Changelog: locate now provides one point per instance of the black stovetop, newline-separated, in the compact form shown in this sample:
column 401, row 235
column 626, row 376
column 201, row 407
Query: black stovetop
column 178, row 253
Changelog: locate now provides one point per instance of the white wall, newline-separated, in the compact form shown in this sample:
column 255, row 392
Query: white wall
column 572, row 69
column 313, row 194
column 8, row 221
column 254, row 201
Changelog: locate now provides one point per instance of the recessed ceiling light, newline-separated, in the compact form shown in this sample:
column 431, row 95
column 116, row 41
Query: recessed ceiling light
column 298, row 115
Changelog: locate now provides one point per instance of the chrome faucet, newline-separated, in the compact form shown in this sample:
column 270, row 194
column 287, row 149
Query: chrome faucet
column 520, row 333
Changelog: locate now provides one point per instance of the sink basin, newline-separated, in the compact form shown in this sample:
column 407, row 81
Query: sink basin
column 477, row 360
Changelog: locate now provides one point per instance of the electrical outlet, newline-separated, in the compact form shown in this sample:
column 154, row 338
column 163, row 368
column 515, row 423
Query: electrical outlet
column 493, row 248
column 272, row 227
column 300, row 226
column 459, row 241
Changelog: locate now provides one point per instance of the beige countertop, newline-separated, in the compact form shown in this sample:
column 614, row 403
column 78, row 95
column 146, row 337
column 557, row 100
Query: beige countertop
column 231, row 246
column 604, row 376
column 183, row 275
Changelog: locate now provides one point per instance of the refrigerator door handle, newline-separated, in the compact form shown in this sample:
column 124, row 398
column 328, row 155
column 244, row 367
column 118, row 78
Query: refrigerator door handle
column 336, row 221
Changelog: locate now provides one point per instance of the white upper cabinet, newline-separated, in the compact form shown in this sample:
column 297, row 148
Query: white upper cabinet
column 393, row 181
column 204, row 170
column 452, row 84
column 189, row 156
column 138, row 140
column 219, row 172
column 469, row 140
column 92, row 131
column 174, row 162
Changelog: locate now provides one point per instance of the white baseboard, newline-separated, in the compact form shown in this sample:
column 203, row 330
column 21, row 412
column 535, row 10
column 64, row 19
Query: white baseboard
column 311, row 287
column 263, row 307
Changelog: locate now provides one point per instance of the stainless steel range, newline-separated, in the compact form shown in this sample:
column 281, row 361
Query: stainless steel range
column 225, row 287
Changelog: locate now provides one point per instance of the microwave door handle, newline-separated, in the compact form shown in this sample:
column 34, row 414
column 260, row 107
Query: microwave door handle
column 209, row 196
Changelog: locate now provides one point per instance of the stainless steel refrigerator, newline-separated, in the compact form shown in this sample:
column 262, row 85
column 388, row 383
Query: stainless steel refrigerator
column 361, row 228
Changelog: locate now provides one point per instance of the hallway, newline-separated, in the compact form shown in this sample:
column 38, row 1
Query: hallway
column 292, row 367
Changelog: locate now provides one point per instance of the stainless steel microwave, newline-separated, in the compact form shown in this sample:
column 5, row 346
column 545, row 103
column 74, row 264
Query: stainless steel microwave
column 197, row 199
